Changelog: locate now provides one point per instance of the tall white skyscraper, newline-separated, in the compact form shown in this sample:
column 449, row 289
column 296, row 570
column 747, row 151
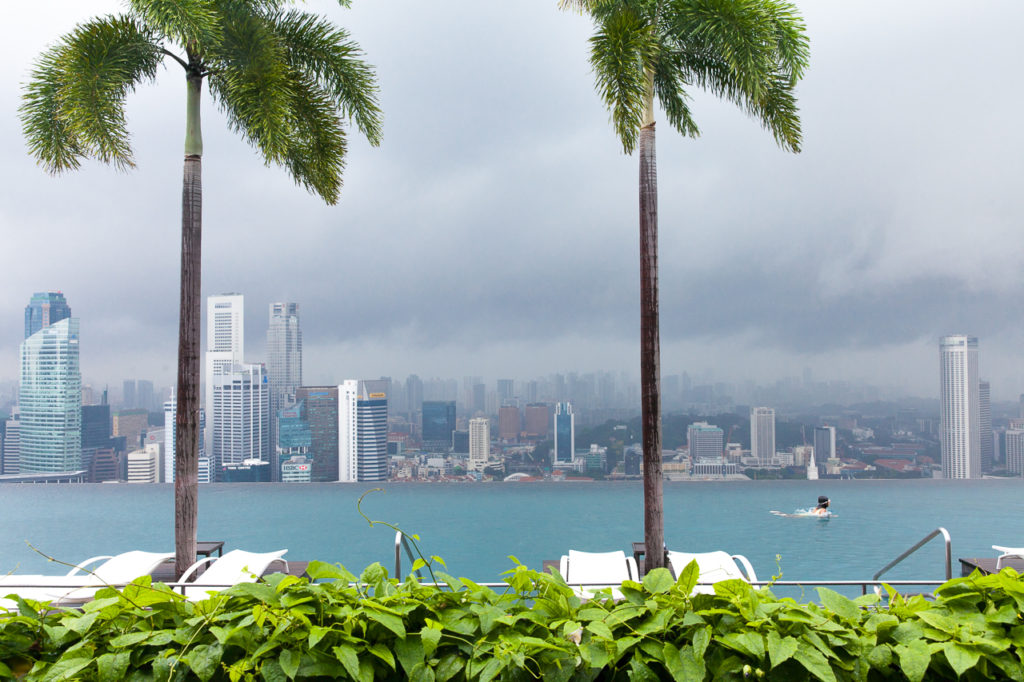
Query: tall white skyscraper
column 479, row 443
column 50, row 399
column 362, row 431
column 241, row 416
column 959, row 409
column 170, row 432
column 225, row 345
column 762, row 434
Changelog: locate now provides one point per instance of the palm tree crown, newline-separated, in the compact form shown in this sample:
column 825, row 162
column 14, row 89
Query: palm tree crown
column 286, row 80
column 750, row 52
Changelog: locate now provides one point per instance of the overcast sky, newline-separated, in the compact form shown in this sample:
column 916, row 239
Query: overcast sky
column 494, row 232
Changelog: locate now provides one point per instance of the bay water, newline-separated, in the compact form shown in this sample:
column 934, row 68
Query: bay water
column 476, row 527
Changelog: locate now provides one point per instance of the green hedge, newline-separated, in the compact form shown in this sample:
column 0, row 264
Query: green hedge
column 289, row 628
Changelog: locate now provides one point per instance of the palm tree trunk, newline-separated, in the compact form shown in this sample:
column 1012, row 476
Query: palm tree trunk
column 186, row 441
column 650, row 344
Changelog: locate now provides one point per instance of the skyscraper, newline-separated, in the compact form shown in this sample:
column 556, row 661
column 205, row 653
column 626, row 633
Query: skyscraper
column 362, row 430
column 762, row 434
column 170, row 434
column 565, row 434
column 322, row 416
column 284, row 363
column 10, row 454
column 43, row 309
column 50, row 399
column 414, row 393
column 1014, row 450
column 225, row 345
column 705, row 441
column 959, row 418
column 241, row 415
column 824, row 443
column 438, row 425
column 986, row 447
column 479, row 443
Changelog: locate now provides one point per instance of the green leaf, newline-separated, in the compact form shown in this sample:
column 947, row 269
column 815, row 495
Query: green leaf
column 348, row 657
column 204, row 660
column 449, row 666
column 112, row 666
column 683, row 664
column 688, row 578
column 320, row 570
column 67, row 668
column 915, row 657
column 289, row 660
column 939, row 621
column 780, row 649
column 391, row 622
column 640, row 672
column 880, row 657
column 491, row 670
column 839, row 605
column 129, row 639
column 383, row 653
column 815, row 663
column 430, row 638
column 422, row 673
column 960, row 657
column 658, row 581
column 272, row 672
column 600, row 629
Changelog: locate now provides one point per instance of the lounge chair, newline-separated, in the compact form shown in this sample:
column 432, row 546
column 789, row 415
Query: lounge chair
column 714, row 566
column 1007, row 553
column 589, row 572
column 237, row 566
column 80, row 583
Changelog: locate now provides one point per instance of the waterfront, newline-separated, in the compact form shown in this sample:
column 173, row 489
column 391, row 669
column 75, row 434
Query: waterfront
column 474, row 527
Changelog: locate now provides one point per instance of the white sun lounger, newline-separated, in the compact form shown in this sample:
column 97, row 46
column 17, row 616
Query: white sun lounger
column 1007, row 553
column 80, row 583
column 237, row 566
column 714, row 566
column 589, row 572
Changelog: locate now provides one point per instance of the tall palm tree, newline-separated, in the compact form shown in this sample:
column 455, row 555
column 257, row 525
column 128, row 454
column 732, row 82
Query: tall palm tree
column 288, row 81
column 750, row 52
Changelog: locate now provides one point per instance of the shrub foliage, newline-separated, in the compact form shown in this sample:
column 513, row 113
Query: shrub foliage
column 335, row 626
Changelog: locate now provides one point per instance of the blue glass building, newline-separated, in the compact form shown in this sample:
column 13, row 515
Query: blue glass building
column 438, row 425
column 44, row 309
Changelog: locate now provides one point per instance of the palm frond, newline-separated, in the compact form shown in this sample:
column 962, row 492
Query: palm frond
column 73, row 105
column 316, row 47
column 250, row 80
column 317, row 146
column 621, row 50
column 190, row 23
column 669, row 87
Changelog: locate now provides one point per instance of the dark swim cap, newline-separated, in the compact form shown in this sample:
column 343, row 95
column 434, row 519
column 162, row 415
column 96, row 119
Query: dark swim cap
column 822, row 499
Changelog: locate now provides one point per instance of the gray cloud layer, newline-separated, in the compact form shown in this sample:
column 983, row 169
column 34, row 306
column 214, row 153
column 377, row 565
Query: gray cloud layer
column 495, row 229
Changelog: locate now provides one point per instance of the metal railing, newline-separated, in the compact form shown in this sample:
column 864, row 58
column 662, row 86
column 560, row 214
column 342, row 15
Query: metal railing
column 925, row 540
column 402, row 543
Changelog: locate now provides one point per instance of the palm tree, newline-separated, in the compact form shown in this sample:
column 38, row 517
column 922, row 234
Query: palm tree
column 288, row 81
column 750, row 52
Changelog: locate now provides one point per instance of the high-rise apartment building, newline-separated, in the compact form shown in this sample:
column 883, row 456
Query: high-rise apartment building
column 128, row 397
column 10, row 454
column 241, row 416
column 705, row 441
column 43, row 309
column 505, row 390
column 1015, row 451
column 438, row 425
column 762, row 434
column 50, row 399
column 144, row 395
column 132, row 424
column 509, row 423
column 225, row 345
column 479, row 443
column 284, row 363
column 537, row 420
column 363, row 430
column 959, row 409
column 824, row 443
column 986, row 446
column 565, row 435
column 413, row 393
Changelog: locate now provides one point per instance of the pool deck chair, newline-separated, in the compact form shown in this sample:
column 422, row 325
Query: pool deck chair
column 1007, row 553
column 81, row 583
column 237, row 566
column 714, row 566
column 589, row 572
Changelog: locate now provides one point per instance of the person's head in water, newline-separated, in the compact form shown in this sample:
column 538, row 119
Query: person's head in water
column 823, row 502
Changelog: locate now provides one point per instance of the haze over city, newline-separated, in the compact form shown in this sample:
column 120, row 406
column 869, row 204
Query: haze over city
column 494, row 231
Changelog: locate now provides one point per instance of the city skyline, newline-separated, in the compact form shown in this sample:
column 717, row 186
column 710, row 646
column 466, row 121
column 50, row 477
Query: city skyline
column 847, row 259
